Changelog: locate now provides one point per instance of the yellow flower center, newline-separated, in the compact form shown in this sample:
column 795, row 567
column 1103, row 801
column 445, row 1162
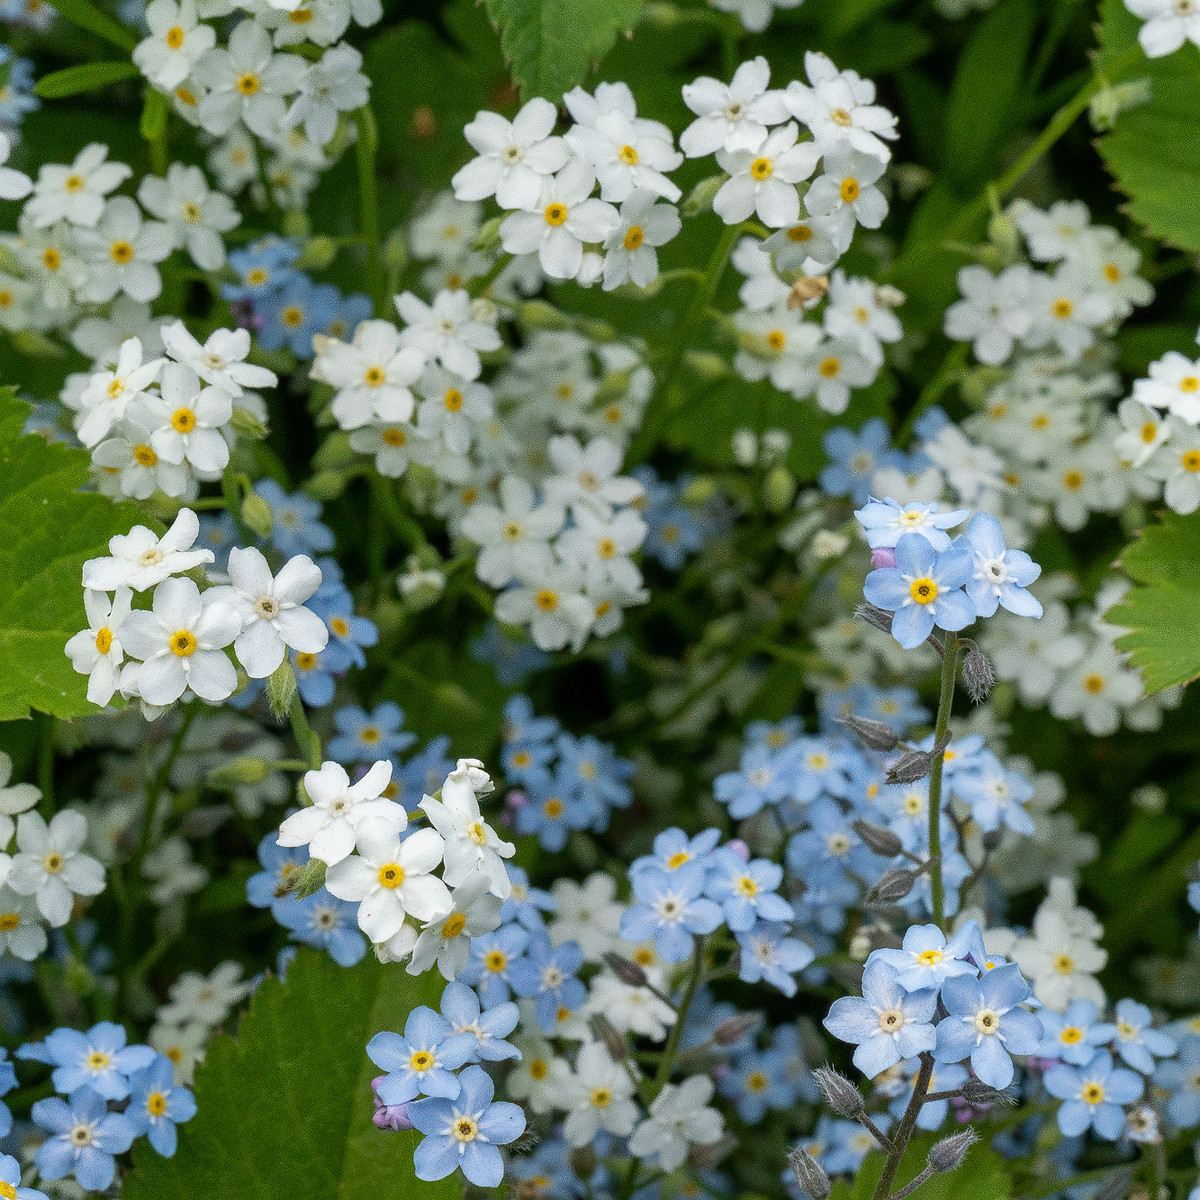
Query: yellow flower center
column 538, row 1069
column 1093, row 1093
column 1126, row 1031
column 1064, row 964
column 454, row 926
column 986, row 1021
column 1189, row 383
column 306, row 661
column 394, row 437
column 7, row 1191
column 1063, row 308
column 51, row 258
column 1149, row 431
column 628, row 155
column 453, row 400
column 292, row 316
column 678, row 859
column 53, row 863
column 556, row 213
column 756, row 1081
column 923, row 590
column 1072, row 1034
column 247, row 84
column 301, row 16
column 929, row 958
column 547, row 600
column 156, row 1104
column 183, row 643
column 746, row 886
column 1191, row 460
column 174, row 37
column 553, row 807
column 421, row 1060
column 121, row 252
column 830, row 367
column 1073, row 480
column 477, row 833
column 496, row 961
column 339, row 626
column 776, row 339
column 841, row 117
column 74, row 183
column 891, row 1020
column 465, row 1130
column 762, row 168
column 849, row 190
column 9, row 921
column 256, row 276
column 633, row 237
column 97, row 1060
column 601, row 1097
column 1112, row 272
column 183, row 420
column 370, row 735
column 374, row 376
column 185, row 97
column 606, row 548
column 145, row 455
column 104, row 639
column 391, row 875
column 1094, row 684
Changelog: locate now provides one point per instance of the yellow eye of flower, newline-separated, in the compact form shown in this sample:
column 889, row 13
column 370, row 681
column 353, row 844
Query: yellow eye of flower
column 391, row 875
column 929, row 958
column 850, row 190
column 74, row 183
column 156, row 1103
column 183, row 420
column 1093, row 1093
column 453, row 400
column 121, row 252
column 555, row 213
column 183, row 643
column 394, row 437
column 547, row 600
column 628, row 155
column 174, row 37
column 247, row 84
column 762, row 168
column 1071, row 1034
column 633, row 237
column 145, row 456
column 454, row 926
column 830, row 367
column 1063, row 308
column 800, row 233
column 923, row 590
column 104, row 640
column 374, row 376
column 776, row 339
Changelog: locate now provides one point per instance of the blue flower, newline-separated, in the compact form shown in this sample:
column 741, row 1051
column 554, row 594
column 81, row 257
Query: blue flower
column 1073, row 1036
column 219, row 534
column 8, row 1081
column 549, row 975
column 422, row 1062
column 769, row 955
column 489, row 1028
column 271, row 887
column 552, row 810
column 1181, row 1077
column 156, row 1105
column 673, row 848
column 944, row 1078
column 746, row 891
column 291, row 315
column 671, row 909
column 986, row 1024
column 326, row 922
column 10, row 1173
column 814, row 765
column 1133, row 1039
column 598, row 775
column 1094, row 1096
column 264, row 268
column 464, row 1133
column 923, row 589
column 899, row 707
column 492, row 959
column 829, row 841
column 512, row 660
column 996, row 795
column 887, row 521
column 84, row 1138
column 349, row 634
column 16, row 98
column 314, row 675
column 774, row 735
column 525, row 904
column 98, row 1060
column 369, row 736
column 755, row 1083
column 296, row 521
column 839, row 1146
column 758, row 781
column 855, row 458
column 926, row 959
column 345, row 313
column 672, row 529
column 999, row 575
column 886, row 1023
column 522, row 724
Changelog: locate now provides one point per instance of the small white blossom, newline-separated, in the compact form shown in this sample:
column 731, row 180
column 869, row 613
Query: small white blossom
column 679, row 1119
column 732, row 116
column 97, row 651
column 122, row 253
column 372, row 374
column 177, row 40
column 247, row 82
column 75, row 193
column 447, row 331
column 49, row 865
column 195, row 214
column 763, row 180
column 332, row 86
column 140, row 559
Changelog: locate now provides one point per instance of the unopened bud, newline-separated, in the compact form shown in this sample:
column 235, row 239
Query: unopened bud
column 665, row 16
column 733, row 1029
column 281, row 688
column 318, row 253
column 537, row 314
column 775, row 444
column 892, row 887
column 247, row 424
column 877, row 839
column 879, row 617
column 626, row 971
column 36, row 345
column 1110, row 101
column 606, row 1032
column 810, row 1175
column 390, row 1117
column 778, row 489
column 598, row 331
column 326, row 485
column 10, row 264
column 707, row 365
column 708, row 1157
column 256, row 513
column 699, row 491
column 488, row 237
column 887, row 296
column 1005, row 237
column 757, row 346
column 1117, row 1186
column 700, row 198
column 875, row 735
column 980, row 1095
column 840, row 1094
column 613, row 386
column 807, row 289
column 308, row 879
column 241, row 770
column 913, row 765
column 949, row 1153
column 882, row 556
column 296, row 224
column 978, row 674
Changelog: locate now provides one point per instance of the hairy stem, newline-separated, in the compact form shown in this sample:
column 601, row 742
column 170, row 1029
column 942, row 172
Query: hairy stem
column 945, row 703
column 905, row 1130
column 667, row 1062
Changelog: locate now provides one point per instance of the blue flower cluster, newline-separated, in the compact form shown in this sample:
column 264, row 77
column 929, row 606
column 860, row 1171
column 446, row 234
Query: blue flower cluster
column 434, row 1085
column 94, row 1070
column 854, row 458
column 925, row 580
column 675, row 530
column 565, row 782
column 286, row 307
column 16, row 96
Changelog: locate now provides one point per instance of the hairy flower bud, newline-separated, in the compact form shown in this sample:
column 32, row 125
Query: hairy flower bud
column 537, row 314
column 606, row 1032
column 978, row 674
column 699, row 199
column 979, row 1094
column 308, row 879
column 281, row 688
column 778, row 489
column 810, row 1175
column 735, row 1028
column 626, row 971
column 877, row 839
column 840, row 1094
column 1116, row 1186
column 875, row 735
column 949, row 1153
column 879, row 617
column 892, row 887
column 241, row 770
column 916, row 764
column 256, row 512
column 882, row 556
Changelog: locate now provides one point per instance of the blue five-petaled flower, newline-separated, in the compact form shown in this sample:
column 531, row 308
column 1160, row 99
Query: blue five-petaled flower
column 923, row 589
column 423, row 1061
column 85, row 1136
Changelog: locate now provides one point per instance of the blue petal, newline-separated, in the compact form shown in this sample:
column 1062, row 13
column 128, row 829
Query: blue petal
column 885, row 588
column 912, row 625
column 990, row 1061
column 482, row 1165
column 953, row 610
column 435, row 1158
column 915, row 555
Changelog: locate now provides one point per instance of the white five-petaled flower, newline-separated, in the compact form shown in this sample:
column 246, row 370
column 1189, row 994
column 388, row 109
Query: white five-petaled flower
column 840, row 116
column 846, row 189
column 196, row 215
column 763, row 180
column 552, row 604
column 630, row 249
column 515, row 536
column 628, row 154
column 679, row 1119
column 14, row 185
column 220, row 360
column 372, row 374
column 14, row 798
column 472, row 845
column 1169, row 23
column 586, row 476
column 181, row 643
column 446, row 940
column 75, row 193
column 187, row 420
column 447, row 331
column 391, row 878
column 327, row 825
column 177, row 40
column 333, row 85
column 49, row 866
column 109, row 393
column 97, row 651
column 732, row 116
column 597, row 1095
column 140, row 559
column 122, row 253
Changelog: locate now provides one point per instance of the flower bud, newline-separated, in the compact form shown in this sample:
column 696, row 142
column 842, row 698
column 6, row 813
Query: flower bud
column 240, row 771
column 827, row 544
column 10, row 264
column 810, row 1175
column 745, row 447
column 35, row 345
column 806, row 290
column 626, row 971
column 879, row 617
column 877, row 839
column 978, row 674
column 281, row 688
column 391, row 1117
column 882, row 556
column 296, row 224
column 256, row 513
column 778, row 489
column 875, row 735
column 606, row 1032
column 308, row 879
column 700, row 198
column 840, row 1094
column 537, row 314
column 699, row 491
column 395, row 252
column 1109, row 102
column 1117, row 1186
column 892, row 887
column 887, row 296
column 1005, row 237
column 949, row 1153
column 598, row 331
column 979, row 1094
column 665, row 16
column 916, row 764
column 733, row 1029
column 318, row 253
column 247, row 424
column 326, row 485
column 707, row 365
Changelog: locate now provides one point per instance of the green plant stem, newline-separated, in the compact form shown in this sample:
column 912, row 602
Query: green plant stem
column 905, row 1129
column 45, row 765
column 945, row 703
column 951, row 371
column 667, row 1062
column 478, row 286
column 366, row 151
column 309, row 743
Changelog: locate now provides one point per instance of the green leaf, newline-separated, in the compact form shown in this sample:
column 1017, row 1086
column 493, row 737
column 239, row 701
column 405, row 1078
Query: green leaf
column 285, row 1107
column 50, row 528
column 86, row 77
column 1164, row 639
column 153, row 122
column 1154, row 149
column 87, row 16
column 553, row 43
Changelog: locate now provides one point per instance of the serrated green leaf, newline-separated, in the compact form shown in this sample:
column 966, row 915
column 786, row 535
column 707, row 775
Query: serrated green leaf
column 553, row 43
column 285, row 1107
column 1164, row 640
column 50, row 528
column 1154, row 149
column 87, row 16
column 86, row 77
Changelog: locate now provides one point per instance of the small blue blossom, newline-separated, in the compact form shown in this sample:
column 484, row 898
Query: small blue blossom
column 97, row 1059
column 219, row 534
column 1133, row 1039
column 945, row 1078
column 1093, row 1095
column 369, row 736
column 999, row 575
column 314, row 676
column 156, row 1105
column 8, row 1081
column 492, row 958
column 599, row 776
column 1180, row 1076
column 769, row 955
column 512, row 660
column 296, row 521
column 995, row 795
column 814, row 766
column 922, row 590
column 887, row 521
column 349, row 634
column 16, row 97
column 839, row 1146
column 755, row 1083
column 774, row 735
column 345, row 313
column 671, row 908
column 758, row 781
column 489, row 1028
column 271, row 887
column 747, row 891
column 464, row 1133
column 673, row 848
column 926, row 959
column 1073, row 1036
column 324, row 921
column 553, row 809
column 85, row 1136
column 291, row 315
column 263, row 268
column 525, row 904
column 423, row 773
column 549, row 975
column 673, row 532
column 10, row 1173
column 855, row 458
column 423, row 1061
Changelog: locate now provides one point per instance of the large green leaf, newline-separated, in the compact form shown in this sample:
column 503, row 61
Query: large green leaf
column 86, row 77
column 50, row 528
column 1164, row 637
column 285, row 1107
column 551, row 44
column 1154, row 149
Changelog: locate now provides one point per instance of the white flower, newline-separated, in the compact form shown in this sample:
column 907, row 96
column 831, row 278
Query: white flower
column 841, row 365
column 597, row 1096
column 847, row 187
column 75, row 193
column 1174, row 385
column 1108, row 265
column 187, row 420
column 1096, row 688
column 628, row 154
column 630, row 248
column 472, row 845
column 97, row 650
column 181, row 643
column 1169, row 23
column 109, row 393
column 50, row 260
column 602, row 547
column 172, row 871
column 1065, row 312
column 763, row 180
column 515, row 536
column 452, row 409
column 14, row 798
column 786, row 349
column 854, row 313
column 48, row 864
column 196, row 215
column 183, row 1044
column 247, row 82
column 561, row 219
column 391, row 878
column 21, row 931
column 333, row 85
column 372, row 374
column 586, row 477
column 220, row 360
column 121, row 253
column 14, row 185
column 755, row 15
column 271, row 610
column 812, row 245
column 177, row 40
column 552, row 604
column 1057, row 233
column 1032, row 654
column 1144, row 431
column 628, row 1008
column 1061, row 958
column 204, row 1000
column 446, row 940
column 140, row 559
column 1177, row 464
column 840, row 119
column 446, row 230
column 679, row 1118
column 100, row 338
column 732, row 116
column 513, row 157
column 588, row 913
column 994, row 311
column 537, row 1077
column 393, row 443
column 446, row 330
column 327, row 826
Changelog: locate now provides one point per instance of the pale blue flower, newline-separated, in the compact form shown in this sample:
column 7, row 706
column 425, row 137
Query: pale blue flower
column 923, row 589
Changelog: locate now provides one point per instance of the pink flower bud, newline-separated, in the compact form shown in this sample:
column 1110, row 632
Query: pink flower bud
column 393, row 1117
column 882, row 556
column 739, row 848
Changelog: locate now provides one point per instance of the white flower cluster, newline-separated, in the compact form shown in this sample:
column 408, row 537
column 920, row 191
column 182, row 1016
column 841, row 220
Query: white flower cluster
column 166, row 424
column 196, row 1006
column 374, row 859
column 176, row 649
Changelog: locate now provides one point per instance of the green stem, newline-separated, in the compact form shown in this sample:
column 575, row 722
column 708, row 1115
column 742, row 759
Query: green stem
column 905, row 1130
column 367, row 150
column 945, row 703
column 667, row 1062
column 477, row 287
column 308, row 741
column 950, row 372
column 45, row 765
